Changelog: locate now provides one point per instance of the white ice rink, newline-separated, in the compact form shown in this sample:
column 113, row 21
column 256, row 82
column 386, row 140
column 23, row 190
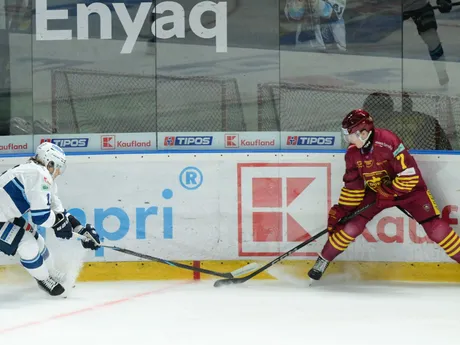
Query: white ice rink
column 257, row 312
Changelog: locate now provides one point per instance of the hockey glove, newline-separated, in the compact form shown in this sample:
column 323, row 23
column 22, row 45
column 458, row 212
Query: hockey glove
column 93, row 237
column 385, row 195
column 76, row 225
column 62, row 227
column 335, row 214
column 445, row 6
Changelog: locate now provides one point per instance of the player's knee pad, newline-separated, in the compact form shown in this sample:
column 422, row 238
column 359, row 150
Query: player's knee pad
column 437, row 229
column 10, row 237
column 29, row 252
column 424, row 19
column 42, row 246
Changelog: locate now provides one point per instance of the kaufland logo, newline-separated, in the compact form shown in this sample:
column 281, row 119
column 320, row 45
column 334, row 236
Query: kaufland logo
column 109, row 142
column 233, row 141
column 279, row 206
column 11, row 146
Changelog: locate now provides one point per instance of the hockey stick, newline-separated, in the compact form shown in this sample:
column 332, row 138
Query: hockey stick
column 222, row 282
column 453, row 4
column 230, row 275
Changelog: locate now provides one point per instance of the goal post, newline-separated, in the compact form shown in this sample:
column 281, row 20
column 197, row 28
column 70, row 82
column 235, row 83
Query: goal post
column 422, row 120
column 85, row 101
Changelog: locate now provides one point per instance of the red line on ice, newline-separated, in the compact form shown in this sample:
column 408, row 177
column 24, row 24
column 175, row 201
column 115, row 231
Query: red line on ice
column 92, row 308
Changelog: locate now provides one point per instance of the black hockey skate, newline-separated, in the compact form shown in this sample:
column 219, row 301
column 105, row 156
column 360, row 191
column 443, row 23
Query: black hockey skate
column 316, row 272
column 51, row 286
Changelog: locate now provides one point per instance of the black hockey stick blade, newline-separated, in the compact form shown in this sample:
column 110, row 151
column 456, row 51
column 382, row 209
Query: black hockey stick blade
column 223, row 282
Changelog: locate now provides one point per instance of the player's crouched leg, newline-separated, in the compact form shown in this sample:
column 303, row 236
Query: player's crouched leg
column 339, row 241
column 336, row 244
column 48, row 259
column 440, row 232
column 14, row 239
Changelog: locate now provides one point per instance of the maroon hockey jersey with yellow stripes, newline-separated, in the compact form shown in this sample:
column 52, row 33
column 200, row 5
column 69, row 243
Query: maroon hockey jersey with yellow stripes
column 388, row 162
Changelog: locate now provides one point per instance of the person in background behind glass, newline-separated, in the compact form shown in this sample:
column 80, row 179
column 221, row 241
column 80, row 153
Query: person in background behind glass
column 422, row 13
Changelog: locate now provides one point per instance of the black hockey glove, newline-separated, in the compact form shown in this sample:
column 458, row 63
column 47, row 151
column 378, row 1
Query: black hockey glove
column 93, row 237
column 445, row 6
column 62, row 227
column 73, row 221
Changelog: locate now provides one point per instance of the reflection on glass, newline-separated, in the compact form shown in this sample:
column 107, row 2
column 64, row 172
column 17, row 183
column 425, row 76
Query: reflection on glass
column 289, row 66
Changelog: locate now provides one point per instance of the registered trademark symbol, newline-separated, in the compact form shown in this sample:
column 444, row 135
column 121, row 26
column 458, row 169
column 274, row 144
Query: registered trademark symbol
column 191, row 178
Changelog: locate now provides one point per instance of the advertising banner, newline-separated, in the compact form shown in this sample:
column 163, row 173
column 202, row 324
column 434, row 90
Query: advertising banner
column 311, row 140
column 16, row 144
column 100, row 142
column 237, row 206
column 219, row 141
column 249, row 141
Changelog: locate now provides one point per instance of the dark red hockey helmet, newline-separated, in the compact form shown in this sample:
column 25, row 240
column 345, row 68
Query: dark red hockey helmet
column 357, row 120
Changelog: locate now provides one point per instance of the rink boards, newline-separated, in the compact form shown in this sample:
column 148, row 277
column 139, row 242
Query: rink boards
column 222, row 210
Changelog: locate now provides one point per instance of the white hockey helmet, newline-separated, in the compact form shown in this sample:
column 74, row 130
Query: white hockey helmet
column 51, row 156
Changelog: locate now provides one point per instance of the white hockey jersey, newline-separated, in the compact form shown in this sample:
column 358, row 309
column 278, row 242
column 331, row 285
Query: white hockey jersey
column 29, row 187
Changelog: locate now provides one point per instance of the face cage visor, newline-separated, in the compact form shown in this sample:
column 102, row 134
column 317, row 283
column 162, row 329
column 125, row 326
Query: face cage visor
column 59, row 168
column 352, row 138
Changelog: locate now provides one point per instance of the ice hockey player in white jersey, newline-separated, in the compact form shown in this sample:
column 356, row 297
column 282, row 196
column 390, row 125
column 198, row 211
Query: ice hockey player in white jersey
column 31, row 187
column 422, row 13
column 324, row 18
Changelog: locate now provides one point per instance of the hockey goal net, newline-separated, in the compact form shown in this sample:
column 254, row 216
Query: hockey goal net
column 102, row 102
column 423, row 121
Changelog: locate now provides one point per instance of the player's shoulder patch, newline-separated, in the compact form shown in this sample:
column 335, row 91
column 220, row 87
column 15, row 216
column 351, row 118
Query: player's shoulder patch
column 398, row 150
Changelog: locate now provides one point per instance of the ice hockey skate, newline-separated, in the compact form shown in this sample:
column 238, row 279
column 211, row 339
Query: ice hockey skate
column 50, row 286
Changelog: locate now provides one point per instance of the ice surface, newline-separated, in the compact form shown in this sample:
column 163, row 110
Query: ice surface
column 257, row 312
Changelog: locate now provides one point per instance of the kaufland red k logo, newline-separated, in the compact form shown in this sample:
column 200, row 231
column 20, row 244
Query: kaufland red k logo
column 231, row 140
column 108, row 142
column 280, row 205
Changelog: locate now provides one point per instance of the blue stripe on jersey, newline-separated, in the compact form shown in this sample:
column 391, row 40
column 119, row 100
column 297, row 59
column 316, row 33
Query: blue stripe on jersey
column 34, row 263
column 40, row 217
column 15, row 190
column 7, row 231
column 40, row 212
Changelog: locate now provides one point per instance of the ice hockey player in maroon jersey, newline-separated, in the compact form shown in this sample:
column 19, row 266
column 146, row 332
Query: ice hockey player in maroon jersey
column 379, row 169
